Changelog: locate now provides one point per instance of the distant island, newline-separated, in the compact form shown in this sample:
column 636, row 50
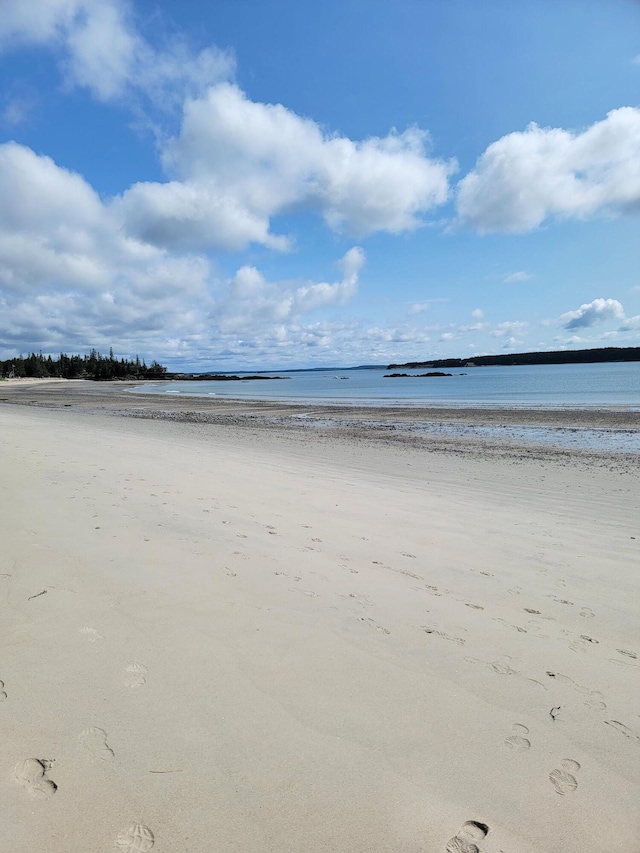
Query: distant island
column 578, row 356
column 415, row 375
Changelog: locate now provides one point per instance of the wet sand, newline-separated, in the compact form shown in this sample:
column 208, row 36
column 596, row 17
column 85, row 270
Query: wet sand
column 467, row 430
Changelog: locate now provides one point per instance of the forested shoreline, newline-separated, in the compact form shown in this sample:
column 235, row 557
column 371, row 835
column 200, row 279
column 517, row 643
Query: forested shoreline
column 579, row 356
column 92, row 366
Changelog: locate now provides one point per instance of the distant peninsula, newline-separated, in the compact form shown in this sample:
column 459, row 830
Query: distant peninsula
column 578, row 356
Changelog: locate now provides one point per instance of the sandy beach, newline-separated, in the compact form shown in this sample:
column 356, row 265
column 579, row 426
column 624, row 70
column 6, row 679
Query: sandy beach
column 222, row 631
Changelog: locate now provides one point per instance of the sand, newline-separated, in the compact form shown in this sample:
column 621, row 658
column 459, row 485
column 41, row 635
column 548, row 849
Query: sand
column 234, row 636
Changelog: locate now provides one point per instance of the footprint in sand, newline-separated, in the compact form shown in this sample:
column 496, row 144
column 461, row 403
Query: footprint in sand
column 562, row 777
column 468, row 837
column 429, row 630
column 308, row 592
column 138, row 838
column 506, row 624
column 517, row 742
column 501, row 666
column 30, row 773
column 627, row 654
column 579, row 646
column 587, row 612
column 94, row 740
column 595, row 701
column 3, row 695
column 375, row 625
column 629, row 661
column 625, row 731
column 135, row 675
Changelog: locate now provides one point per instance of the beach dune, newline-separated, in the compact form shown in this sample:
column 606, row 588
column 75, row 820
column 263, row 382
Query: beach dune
column 233, row 639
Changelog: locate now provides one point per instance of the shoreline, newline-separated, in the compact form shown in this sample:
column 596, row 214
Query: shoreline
column 595, row 434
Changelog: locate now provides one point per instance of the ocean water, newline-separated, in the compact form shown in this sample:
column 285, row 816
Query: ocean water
column 528, row 386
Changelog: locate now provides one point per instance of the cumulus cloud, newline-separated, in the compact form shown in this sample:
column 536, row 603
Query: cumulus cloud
column 478, row 313
column 194, row 215
column 246, row 161
column 250, row 301
column 510, row 343
column 630, row 324
column 510, row 327
column 590, row 313
column 100, row 48
column 70, row 277
column 527, row 177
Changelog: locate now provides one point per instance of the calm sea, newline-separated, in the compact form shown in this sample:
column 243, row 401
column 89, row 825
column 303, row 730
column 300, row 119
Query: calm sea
column 537, row 386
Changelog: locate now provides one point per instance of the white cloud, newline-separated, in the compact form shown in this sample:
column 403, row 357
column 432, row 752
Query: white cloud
column 478, row 313
column 419, row 308
column 250, row 302
column 260, row 160
column 517, row 277
column 630, row 324
column 194, row 215
column 70, row 278
column 527, row 177
column 511, row 327
column 396, row 335
column 101, row 49
column 511, row 343
column 474, row 327
column 590, row 313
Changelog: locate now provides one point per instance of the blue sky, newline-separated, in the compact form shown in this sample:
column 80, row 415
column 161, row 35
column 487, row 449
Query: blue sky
column 270, row 183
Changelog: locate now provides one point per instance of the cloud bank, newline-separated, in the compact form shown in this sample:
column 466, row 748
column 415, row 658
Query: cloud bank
column 71, row 276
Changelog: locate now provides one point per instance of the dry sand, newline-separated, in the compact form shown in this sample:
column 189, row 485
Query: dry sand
column 237, row 638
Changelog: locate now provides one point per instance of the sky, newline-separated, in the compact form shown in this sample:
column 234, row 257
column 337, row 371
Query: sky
column 263, row 184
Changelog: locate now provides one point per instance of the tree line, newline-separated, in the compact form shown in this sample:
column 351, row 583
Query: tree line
column 578, row 356
column 92, row 366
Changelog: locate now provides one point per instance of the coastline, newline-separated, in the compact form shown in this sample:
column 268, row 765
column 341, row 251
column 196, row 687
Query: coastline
column 590, row 434
column 266, row 638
